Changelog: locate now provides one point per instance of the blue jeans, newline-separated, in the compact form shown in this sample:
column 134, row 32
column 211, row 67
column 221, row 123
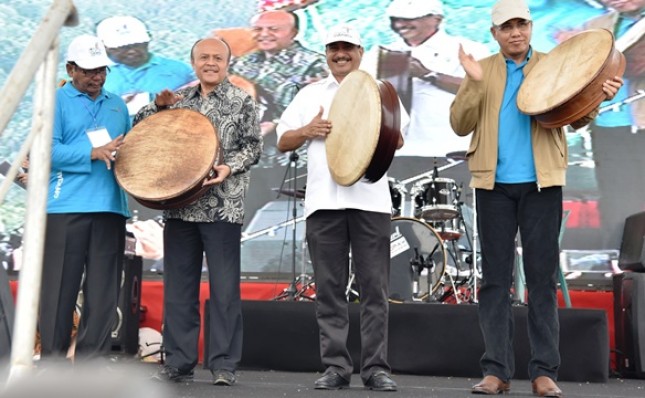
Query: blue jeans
column 538, row 215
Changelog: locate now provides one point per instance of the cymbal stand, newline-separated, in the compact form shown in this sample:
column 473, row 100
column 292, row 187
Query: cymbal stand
column 350, row 292
column 431, row 173
column 289, row 293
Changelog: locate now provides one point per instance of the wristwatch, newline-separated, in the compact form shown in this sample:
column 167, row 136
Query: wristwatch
column 430, row 77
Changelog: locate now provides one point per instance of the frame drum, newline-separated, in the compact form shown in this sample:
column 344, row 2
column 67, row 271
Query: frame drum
column 365, row 118
column 567, row 84
column 166, row 157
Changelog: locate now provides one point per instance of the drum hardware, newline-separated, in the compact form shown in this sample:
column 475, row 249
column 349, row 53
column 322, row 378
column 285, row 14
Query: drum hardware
column 415, row 249
column 300, row 286
column 457, row 155
column 435, row 199
column 397, row 194
column 298, row 194
column 639, row 94
column 431, row 173
column 351, row 291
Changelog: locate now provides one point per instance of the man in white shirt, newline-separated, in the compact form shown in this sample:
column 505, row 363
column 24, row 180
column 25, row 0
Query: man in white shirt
column 435, row 72
column 339, row 217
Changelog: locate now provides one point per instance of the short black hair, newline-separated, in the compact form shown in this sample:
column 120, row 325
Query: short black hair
column 228, row 60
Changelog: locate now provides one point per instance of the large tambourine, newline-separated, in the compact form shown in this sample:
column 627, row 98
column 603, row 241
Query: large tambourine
column 165, row 158
column 366, row 117
column 567, row 84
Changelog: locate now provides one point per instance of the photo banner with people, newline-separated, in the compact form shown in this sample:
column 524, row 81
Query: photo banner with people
column 413, row 45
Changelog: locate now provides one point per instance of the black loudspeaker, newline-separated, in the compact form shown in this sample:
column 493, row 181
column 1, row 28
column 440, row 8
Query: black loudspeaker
column 632, row 247
column 629, row 317
column 125, row 333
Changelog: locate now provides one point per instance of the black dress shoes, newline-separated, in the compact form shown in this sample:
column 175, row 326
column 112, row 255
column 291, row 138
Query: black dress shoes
column 380, row 381
column 331, row 380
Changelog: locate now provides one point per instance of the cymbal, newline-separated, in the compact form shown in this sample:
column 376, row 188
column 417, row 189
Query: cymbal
column 298, row 194
column 457, row 155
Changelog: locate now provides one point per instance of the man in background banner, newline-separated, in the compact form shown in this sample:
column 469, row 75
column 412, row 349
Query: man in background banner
column 138, row 74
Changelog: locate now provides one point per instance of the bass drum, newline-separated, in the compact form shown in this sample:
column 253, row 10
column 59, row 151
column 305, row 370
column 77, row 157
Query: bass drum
column 417, row 253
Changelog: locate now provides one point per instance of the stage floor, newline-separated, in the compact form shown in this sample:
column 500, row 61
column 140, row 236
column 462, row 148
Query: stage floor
column 273, row 384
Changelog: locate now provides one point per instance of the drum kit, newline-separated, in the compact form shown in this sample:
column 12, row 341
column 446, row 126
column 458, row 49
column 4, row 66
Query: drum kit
column 431, row 245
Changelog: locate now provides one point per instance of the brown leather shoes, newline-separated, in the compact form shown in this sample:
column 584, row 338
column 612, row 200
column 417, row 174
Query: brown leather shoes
column 544, row 386
column 491, row 385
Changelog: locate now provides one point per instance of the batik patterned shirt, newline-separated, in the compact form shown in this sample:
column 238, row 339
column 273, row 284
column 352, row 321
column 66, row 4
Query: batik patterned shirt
column 234, row 115
column 279, row 77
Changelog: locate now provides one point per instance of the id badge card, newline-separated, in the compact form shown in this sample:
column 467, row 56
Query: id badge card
column 98, row 136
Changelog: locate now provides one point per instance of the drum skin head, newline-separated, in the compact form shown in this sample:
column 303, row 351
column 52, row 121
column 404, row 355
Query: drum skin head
column 166, row 155
column 567, row 84
column 355, row 114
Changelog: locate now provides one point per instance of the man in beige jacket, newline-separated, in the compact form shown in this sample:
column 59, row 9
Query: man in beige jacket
column 518, row 169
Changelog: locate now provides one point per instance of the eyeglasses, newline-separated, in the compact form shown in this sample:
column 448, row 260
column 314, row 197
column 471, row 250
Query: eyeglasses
column 104, row 70
column 507, row 27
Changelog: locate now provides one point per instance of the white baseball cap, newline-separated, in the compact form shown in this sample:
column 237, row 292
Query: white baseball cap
column 344, row 33
column 413, row 9
column 505, row 10
column 121, row 31
column 87, row 52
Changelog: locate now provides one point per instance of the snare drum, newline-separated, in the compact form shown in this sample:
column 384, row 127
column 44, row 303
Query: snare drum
column 435, row 199
column 449, row 229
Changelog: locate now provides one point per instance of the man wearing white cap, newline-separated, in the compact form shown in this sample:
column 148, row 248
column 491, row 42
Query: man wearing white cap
column 340, row 217
column 137, row 74
column 518, row 169
column 435, row 72
column 86, row 208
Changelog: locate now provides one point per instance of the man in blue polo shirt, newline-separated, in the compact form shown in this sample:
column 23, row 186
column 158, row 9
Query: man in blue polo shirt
column 137, row 74
column 86, row 209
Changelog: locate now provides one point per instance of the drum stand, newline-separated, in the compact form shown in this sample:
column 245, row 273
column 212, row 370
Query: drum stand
column 351, row 294
column 297, row 289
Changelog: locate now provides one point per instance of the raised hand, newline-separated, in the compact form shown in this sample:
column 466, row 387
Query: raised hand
column 471, row 66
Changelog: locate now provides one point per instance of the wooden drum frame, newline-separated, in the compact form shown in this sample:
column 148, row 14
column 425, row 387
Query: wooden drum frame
column 567, row 84
column 165, row 158
column 366, row 118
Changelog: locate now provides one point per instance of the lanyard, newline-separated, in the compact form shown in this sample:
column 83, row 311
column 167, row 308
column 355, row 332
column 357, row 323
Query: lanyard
column 93, row 115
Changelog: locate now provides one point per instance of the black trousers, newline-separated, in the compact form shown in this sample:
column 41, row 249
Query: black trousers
column 184, row 246
column 537, row 215
column 75, row 244
column 330, row 234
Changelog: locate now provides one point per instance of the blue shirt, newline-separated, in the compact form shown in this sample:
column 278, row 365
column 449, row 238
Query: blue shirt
column 154, row 76
column 78, row 184
column 515, row 162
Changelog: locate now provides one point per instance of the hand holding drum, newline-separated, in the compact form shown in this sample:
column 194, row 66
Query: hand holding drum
column 574, row 78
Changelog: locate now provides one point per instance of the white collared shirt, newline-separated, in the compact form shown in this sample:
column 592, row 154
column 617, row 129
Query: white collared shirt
column 323, row 193
column 430, row 133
